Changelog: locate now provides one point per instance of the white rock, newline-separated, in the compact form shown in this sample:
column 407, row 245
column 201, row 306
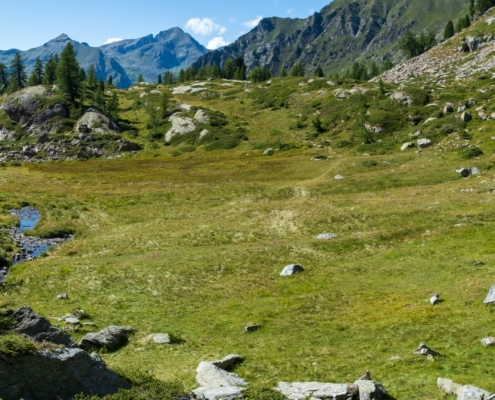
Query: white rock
column 338, row 177
column 211, row 376
column 291, row 269
column 220, row 393
column 490, row 298
column 407, row 145
column 488, row 341
column 180, row 125
column 201, row 117
column 424, row 143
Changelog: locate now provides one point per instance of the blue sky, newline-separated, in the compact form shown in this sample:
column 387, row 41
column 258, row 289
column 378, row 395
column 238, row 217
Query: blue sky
column 30, row 23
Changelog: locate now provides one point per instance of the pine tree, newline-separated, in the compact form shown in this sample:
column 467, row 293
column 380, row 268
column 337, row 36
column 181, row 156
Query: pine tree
column 215, row 71
column 110, row 80
column 472, row 8
column 374, row 71
column 101, row 85
column 91, row 78
column 483, row 5
column 113, row 105
column 182, row 76
column 229, row 69
column 99, row 99
column 467, row 21
column 82, row 75
column 168, row 78
column 140, row 78
column 449, row 30
column 159, row 79
column 18, row 75
column 165, row 104
column 36, row 77
column 68, row 72
column 260, row 74
column 4, row 78
column 283, row 72
column 319, row 72
column 297, row 69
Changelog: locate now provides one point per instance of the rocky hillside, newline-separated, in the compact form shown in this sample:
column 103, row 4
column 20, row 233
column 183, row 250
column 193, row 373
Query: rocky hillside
column 342, row 32
column 171, row 50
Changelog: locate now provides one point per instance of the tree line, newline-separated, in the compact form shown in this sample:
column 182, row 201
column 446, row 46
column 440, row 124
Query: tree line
column 64, row 71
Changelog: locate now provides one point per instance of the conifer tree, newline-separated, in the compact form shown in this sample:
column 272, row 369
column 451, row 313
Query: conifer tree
column 165, row 104
column 99, row 99
column 82, row 75
column 215, row 71
column 50, row 71
column 159, row 79
column 68, row 72
column 229, row 69
column 18, row 75
column 297, row 69
column 318, row 72
column 4, row 78
column 472, row 8
column 168, row 78
column 101, row 85
column 449, row 30
column 113, row 105
column 283, row 72
column 140, row 78
column 91, row 78
column 36, row 77
column 182, row 76
column 110, row 80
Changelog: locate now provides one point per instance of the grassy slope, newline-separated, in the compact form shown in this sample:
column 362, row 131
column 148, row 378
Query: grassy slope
column 194, row 244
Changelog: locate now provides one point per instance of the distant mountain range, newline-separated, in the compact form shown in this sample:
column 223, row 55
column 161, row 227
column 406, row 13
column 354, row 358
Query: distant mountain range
column 172, row 50
column 342, row 32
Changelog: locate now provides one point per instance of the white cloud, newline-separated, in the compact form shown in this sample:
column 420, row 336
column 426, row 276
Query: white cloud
column 253, row 23
column 113, row 40
column 204, row 26
column 216, row 42
column 290, row 11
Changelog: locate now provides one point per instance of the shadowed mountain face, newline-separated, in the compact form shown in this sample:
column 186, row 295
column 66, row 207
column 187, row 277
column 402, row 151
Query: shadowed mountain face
column 172, row 50
column 125, row 60
column 342, row 32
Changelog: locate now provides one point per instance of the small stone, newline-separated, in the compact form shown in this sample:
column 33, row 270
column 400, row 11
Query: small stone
column 488, row 341
column 465, row 172
column 63, row 296
column 465, row 116
column 448, row 108
column 490, row 298
column 416, row 133
column 338, row 177
column 291, row 269
column 252, row 328
column 435, row 299
column 160, row 338
column 424, row 143
column 89, row 324
column 407, row 145
column 72, row 321
column 268, row 152
column 424, row 350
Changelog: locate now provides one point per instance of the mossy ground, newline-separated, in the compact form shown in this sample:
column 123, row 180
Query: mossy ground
column 192, row 243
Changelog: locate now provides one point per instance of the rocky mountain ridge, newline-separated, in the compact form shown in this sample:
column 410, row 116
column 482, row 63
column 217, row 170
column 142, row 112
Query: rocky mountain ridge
column 342, row 32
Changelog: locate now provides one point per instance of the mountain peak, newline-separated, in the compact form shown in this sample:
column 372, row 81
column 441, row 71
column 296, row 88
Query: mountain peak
column 61, row 38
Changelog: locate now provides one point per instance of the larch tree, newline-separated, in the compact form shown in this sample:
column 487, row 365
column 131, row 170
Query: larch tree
column 91, row 76
column 36, row 77
column 68, row 72
column 18, row 77
column 4, row 78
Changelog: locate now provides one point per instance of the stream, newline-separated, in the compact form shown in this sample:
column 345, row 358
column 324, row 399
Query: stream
column 30, row 247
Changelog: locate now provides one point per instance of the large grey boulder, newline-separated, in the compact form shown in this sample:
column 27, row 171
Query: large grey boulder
column 129, row 146
column 473, row 393
column 488, row 341
column 466, row 117
column 96, row 121
column 59, row 374
column 6, row 135
column 490, row 298
column 46, row 121
column 424, row 143
column 211, row 376
column 317, row 391
column 180, row 126
column 448, row 386
column 38, row 328
column 402, row 97
column 370, row 390
column 112, row 338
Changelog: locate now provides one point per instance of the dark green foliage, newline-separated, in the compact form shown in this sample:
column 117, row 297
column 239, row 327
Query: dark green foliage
column 370, row 163
column 18, row 75
column 159, row 81
column 53, row 233
column 82, row 75
column 165, row 100
column 228, row 69
column 389, row 121
column 91, row 78
column 140, row 78
column 113, row 105
column 240, row 69
column 6, row 323
column 99, row 99
column 182, row 76
column 36, row 77
column 110, row 80
column 449, row 30
column 50, row 72
column 420, row 97
column 152, row 124
column 483, row 5
column 413, row 46
column 276, row 96
column 319, row 72
column 297, row 69
column 12, row 345
column 317, row 124
column 4, row 78
column 168, row 78
column 260, row 74
column 223, row 141
column 471, row 152
column 343, row 143
column 463, row 23
column 472, row 8
column 260, row 393
column 283, row 72
column 68, row 72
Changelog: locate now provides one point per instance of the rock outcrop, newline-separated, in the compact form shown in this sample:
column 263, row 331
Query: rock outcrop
column 96, row 121
column 466, row 392
column 60, row 373
column 180, row 126
column 112, row 338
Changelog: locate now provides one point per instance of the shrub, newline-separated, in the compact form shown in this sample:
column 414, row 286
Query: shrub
column 471, row 152
column 389, row 121
column 53, row 233
column 259, row 393
column 343, row 143
column 370, row 163
column 13, row 345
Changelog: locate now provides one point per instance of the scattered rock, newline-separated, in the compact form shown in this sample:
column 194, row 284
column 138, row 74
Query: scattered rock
column 424, row 143
column 401, row 97
column 269, row 152
column 448, row 108
column 180, row 126
column 490, row 298
column 424, row 350
column 325, row 236
column 370, row 390
column 473, row 43
column 464, row 172
column 448, row 386
column 38, row 328
column 338, row 177
column 291, row 269
column 372, row 129
column 126, row 145
column 317, row 390
column 63, row 296
column 407, row 145
column 201, row 117
column 228, row 362
column 473, row 393
column 430, row 120
column 416, row 134
column 159, row 338
column 252, row 328
column 220, row 393
column 112, row 337
column 488, row 341
column 435, row 299
column 59, row 373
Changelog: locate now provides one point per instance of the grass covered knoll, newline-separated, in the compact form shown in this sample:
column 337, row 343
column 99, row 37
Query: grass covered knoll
column 194, row 246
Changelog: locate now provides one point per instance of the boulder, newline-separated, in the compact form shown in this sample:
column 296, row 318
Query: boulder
column 473, row 43
column 228, row 362
column 6, row 135
column 220, row 393
column 435, row 299
column 464, row 172
column 112, row 338
column 448, row 386
column 372, row 129
column 129, row 146
column 448, row 108
column 269, row 152
column 424, row 143
column 96, row 121
column 180, row 126
column 370, row 390
column 317, row 391
column 407, row 145
column 473, row 393
column 488, row 341
column 490, row 298
column 201, row 117
column 38, row 328
column 60, row 373
column 291, row 269
column 44, row 122
column 401, row 97
column 159, row 338
column 424, row 350
column 252, row 328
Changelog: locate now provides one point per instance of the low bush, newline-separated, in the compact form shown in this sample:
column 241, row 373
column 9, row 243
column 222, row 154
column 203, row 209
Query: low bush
column 13, row 345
